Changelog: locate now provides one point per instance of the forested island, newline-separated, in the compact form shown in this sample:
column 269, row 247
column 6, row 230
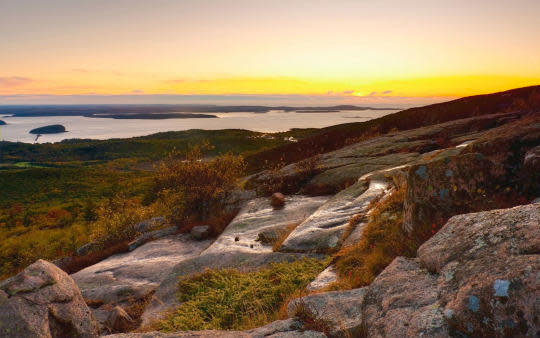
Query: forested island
column 51, row 129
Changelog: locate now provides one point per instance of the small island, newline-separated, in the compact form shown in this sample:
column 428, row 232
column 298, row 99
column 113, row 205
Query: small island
column 52, row 129
column 2, row 123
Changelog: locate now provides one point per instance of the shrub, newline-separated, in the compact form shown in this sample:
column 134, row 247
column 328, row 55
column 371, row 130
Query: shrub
column 383, row 240
column 190, row 188
column 117, row 218
column 231, row 300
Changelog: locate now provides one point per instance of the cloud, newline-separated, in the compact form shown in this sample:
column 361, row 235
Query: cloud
column 137, row 91
column 348, row 92
column 14, row 81
column 386, row 92
column 372, row 93
column 330, row 92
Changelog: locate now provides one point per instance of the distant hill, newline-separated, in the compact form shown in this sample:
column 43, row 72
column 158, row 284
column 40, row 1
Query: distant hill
column 525, row 99
column 150, row 111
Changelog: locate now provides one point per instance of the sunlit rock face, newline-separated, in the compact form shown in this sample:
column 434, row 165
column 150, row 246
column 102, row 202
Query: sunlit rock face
column 259, row 217
column 496, row 170
column 488, row 267
column 43, row 301
column 477, row 277
column 239, row 246
column 129, row 277
column 325, row 230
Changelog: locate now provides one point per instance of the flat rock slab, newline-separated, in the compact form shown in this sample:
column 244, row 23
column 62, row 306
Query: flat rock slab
column 259, row 216
column 341, row 310
column 136, row 273
column 323, row 231
column 165, row 296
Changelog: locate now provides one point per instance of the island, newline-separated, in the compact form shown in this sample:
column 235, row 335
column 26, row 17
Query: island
column 51, row 129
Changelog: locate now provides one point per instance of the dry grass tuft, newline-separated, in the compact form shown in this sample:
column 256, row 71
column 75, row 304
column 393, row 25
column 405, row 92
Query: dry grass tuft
column 382, row 241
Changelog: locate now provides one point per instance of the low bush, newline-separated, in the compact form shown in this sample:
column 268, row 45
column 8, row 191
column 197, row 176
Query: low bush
column 117, row 219
column 231, row 300
column 191, row 189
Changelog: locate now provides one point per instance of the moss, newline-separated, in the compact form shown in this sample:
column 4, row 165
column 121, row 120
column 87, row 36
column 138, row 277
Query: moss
column 231, row 300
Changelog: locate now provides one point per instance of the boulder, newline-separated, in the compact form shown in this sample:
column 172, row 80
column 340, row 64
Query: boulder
column 488, row 266
column 277, row 200
column 496, row 170
column 402, row 302
column 442, row 188
column 119, row 321
column 43, row 301
column 200, row 232
column 341, row 311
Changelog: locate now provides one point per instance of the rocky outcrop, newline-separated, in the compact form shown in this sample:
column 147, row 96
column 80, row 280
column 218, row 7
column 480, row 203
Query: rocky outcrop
column 402, row 302
column 488, row 265
column 130, row 277
column 446, row 187
column 257, row 217
column 495, row 170
column 43, row 301
column 340, row 168
column 477, row 277
column 327, row 228
column 239, row 246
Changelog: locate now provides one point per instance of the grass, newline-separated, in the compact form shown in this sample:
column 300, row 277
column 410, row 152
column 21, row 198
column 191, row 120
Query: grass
column 382, row 241
column 231, row 300
column 312, row 320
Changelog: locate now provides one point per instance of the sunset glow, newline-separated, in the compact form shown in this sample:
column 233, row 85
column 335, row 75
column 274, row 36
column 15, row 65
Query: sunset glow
column 354, row 49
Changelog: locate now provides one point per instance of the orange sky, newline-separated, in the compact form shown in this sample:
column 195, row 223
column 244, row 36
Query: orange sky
column 351, row 49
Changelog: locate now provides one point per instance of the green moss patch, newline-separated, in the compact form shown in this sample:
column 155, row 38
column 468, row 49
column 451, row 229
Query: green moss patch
column 231, row 300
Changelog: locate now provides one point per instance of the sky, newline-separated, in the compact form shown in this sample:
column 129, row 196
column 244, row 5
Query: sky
column 380, row 52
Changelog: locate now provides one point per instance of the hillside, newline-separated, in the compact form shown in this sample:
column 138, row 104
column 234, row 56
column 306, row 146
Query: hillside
column 420, row 223
column 335, row 137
